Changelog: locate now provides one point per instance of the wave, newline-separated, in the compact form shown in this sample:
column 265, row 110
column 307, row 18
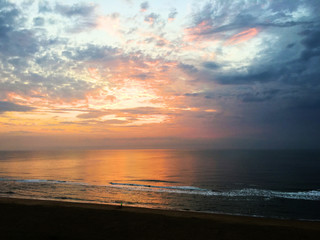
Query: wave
column 190, row 188
column 269, row 194
column 246, row 192
column 312, row 195
column 154, row 180
column 43, row 181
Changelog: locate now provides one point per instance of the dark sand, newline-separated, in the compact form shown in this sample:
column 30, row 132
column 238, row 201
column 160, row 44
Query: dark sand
column 38, row 219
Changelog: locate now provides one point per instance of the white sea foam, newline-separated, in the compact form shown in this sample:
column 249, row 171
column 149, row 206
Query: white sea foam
column 247, row 192
column 312, row 195
column 42, row 181
column 190, row 188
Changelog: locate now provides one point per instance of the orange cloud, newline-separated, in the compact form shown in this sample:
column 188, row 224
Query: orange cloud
column 210, row 110
column 194, row 33
column 242, row 36
column 132, row 97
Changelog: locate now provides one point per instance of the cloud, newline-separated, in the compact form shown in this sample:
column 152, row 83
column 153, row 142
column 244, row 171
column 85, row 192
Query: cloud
column 290, row 45
column 83, row 10
column 38, row 21
column 144, row 6
column 92, row 115
column 192, row 94
column 188, row 68
column 12, row 107
column 115, row 121
column 174, row 75
column 44, row 7
column 242, row 36
column 92, row 52
column 15, row 41
column 246, row 78
column 84, row 16
column 142, row 76
column 288, row 56
column 226, row 17
column 142, row 110
column 211, row 65
column 309, row 101
column 311, row 42
column 259, row 96
column 172, row 15
column 152, row 18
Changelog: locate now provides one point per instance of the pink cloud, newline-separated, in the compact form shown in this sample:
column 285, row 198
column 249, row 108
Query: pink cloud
column 193, row 33
column 242, row 36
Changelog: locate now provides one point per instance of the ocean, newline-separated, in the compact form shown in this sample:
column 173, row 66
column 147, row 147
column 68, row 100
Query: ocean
column 262, row 183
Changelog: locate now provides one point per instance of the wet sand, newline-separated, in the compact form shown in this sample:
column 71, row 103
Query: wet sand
column 39, row 219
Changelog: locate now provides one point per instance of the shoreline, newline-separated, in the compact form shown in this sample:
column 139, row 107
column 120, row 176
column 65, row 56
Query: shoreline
column 99, row 205
column 46, row 219
column 108, row 206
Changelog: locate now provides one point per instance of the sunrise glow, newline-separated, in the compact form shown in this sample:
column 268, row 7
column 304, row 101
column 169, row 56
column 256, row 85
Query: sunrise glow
column 202, row 72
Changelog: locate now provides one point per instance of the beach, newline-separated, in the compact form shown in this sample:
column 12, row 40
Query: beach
column 44, row 219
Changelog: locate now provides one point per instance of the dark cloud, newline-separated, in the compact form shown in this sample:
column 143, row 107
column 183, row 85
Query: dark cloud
column 259, row 96
column 284, row 24
column 18, row 57
column 8, row 16
column 300, row 72
column 310, row 103
column 246, row 78
column 294, row 63
column 192, row 94
column 221, row 16
column 211, row 65
column 303, row 98
column 152, row 18
column 142, row 110
column 82, row 26
column 188, row 68
column 53, row 86
column 142, row 76
column 115, row 15
column 44, row 7
column 276, row 92
column 65, row 88
column 157, row 42
column 83, row 15
column 120, row 113
column 38, row 21
column 290, row 45
column 12, row 107
column 224, row 16
column 92, row 53
column 15, row 41
column 83, row 10
column 21, row 43
column 311, row 42
column 173, row 13
column 161, row 43
column 144, row 6
column 308, row 54
column 284, row 5
column 92, row 115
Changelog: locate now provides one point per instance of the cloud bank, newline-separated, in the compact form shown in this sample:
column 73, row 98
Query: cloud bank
column 217, row 73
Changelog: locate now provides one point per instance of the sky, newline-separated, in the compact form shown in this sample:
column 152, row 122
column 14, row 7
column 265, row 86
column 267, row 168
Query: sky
column 159, row 74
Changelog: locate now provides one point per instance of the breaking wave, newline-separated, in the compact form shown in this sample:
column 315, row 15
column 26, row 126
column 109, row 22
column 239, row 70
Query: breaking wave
column 312, row 195
column 246, row 192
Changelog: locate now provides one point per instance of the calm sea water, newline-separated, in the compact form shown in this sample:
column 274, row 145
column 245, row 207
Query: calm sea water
column 281, row 184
